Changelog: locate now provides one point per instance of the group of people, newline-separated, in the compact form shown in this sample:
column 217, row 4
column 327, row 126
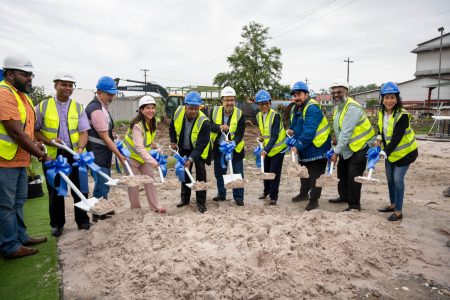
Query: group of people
column 198, row 137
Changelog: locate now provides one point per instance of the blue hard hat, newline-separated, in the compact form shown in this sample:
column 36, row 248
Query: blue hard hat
column 389, row 88
column 107, row 84
column 299, row 86
column 193, row 98
column 262, row 96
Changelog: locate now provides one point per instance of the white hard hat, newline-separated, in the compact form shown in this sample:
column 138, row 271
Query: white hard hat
column 228, row 91
column 338, row 84
column 146, row 100
column 17, row 62
column 64, row 75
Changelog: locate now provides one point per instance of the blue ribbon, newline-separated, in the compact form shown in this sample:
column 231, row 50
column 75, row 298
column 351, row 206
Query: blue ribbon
column 373, row 155
column 257, row 155
column 291, row 141
column 161, row 159
column 179, row 167
column 124, row 151
column 83, row 161
column 329, row 155
column 55, row 166
column 227, row 152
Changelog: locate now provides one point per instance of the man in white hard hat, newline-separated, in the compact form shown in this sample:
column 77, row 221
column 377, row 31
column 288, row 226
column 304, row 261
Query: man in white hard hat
column 62, row 119
column 228, row 119
column 16, row 144
column 354, row 134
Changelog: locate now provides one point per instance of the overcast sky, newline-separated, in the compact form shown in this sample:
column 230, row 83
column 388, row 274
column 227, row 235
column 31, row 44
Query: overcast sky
column 187, row 42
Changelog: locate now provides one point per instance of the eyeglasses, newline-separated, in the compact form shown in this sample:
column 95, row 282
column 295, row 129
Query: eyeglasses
column 25, row 74
column 337, row 93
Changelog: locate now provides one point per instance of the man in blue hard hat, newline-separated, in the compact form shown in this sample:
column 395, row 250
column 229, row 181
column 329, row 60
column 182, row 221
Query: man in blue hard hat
column 310, row 128
column 190, row 133
column 100, row 136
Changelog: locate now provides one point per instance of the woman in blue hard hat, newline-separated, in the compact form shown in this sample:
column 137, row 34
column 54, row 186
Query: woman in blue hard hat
column 139, row 140
column 273, row 137
column 398, row 142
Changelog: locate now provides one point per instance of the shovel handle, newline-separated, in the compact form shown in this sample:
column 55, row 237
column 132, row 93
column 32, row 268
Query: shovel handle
column 262, row 163
column 73, row 187
column 64, row 146
column 230, row 167
column 369, row 175
column 160, row 174
column 294, row 157
column 104, row 175
column 330, row 172
column 127, row 166
column 190, row 175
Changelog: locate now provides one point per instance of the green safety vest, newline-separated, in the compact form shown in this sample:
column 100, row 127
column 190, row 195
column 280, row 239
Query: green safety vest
column 8, row 147
column 50, row 123
column 363, row 131
column 148, row 136
column 408, row 142
column 265, row 128
column 323, row 130
column 235, row 117
column 178, row 118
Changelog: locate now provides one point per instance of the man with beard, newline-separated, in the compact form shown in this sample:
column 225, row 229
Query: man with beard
column 228, row 119
column 354, row 134
column 17, row 120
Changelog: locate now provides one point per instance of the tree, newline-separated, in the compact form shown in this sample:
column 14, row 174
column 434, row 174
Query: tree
column 37, row 94
column 253, row 65
column 362, row 88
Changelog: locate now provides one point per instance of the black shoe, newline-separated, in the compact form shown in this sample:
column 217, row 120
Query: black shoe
column 84, row 226
column 386, row 209
column 352, row 208
column 338, row 200
column 182, row 203
column 111, row 213
column 300, row 197
column 201, row 208
column 312, row 204
column 263, row 196
column 57, row 231
column 273, row 202
column 95, row 218
column 219, row 198
column 395, row 217
column 239, row 202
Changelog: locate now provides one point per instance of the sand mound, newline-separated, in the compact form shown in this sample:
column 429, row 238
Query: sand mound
column 231, row 254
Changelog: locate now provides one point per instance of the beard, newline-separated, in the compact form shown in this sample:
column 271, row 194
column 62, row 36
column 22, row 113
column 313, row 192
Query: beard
column 25, row 87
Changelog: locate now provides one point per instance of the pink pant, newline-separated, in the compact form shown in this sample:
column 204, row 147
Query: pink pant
column 150, row 190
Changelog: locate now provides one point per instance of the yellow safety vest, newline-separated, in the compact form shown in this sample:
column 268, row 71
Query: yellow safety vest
column 50, row 123
column 8, row 148
column 266, row 127
column 148, row 136
column 235, row 117
column 408, row 142
column 323, row 130
column 178, row 122
column 363, row 131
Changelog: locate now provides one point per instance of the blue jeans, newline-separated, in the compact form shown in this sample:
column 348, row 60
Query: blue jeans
column 13, row 194
column 238, row 168
column 101, row 190
column 396, row 184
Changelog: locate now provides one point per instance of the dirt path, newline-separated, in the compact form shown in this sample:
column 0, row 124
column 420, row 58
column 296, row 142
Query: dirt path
column 264, row 252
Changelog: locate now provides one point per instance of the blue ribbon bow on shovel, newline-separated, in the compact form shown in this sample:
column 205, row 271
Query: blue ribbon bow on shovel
column 373, row 156
column 226, row 148
column 85, row 161
column 257, row 154
column 290, row 141
column 179, row 167
column 55, row 166
column 124, row 151
column 161, row 159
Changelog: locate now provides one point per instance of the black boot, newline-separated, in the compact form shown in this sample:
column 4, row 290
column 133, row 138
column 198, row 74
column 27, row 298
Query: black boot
column 201, row 207
column 300, row 197
column 312, row 204
column 183, row 203
column 338, row 200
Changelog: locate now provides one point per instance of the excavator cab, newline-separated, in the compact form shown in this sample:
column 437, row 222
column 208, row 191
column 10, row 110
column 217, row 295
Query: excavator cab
column 172, row 102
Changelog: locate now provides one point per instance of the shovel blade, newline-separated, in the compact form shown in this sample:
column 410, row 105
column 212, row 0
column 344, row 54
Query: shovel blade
column 231, row 177
column 363, row 179
column 87, row 205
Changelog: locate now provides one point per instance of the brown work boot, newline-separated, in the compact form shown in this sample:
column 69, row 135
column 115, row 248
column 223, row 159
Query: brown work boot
column 21, row 252
column 34, row 241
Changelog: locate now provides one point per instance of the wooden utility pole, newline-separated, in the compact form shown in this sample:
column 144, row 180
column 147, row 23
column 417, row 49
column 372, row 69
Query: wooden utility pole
column 348, row 61
column 145, row 76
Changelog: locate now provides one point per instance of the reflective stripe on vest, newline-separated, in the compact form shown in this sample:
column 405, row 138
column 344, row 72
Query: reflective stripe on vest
column 178, row 118
column 408, row 142
column 323, row 130
column 265, row 129
column 363, row 130
column 148, row 138
column 8, row 147
column 50, row 123
column 235, row 117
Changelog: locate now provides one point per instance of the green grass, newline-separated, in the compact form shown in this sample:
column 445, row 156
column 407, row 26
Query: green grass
column 36, row 276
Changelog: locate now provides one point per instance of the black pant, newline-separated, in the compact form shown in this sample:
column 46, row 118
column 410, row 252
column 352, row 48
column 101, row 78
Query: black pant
column 56, row 203
column 315, row 169
column 347, row 170
column 273, row 164
column 200, row 174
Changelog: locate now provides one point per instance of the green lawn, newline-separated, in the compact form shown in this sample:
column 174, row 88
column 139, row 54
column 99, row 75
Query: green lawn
column 36, row 276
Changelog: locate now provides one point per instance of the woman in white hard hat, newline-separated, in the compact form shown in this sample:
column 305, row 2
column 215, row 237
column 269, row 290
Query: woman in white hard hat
column 138, row 140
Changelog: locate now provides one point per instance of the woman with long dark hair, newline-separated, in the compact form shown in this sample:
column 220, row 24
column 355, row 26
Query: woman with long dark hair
column 139, row 140
column 398, row 142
